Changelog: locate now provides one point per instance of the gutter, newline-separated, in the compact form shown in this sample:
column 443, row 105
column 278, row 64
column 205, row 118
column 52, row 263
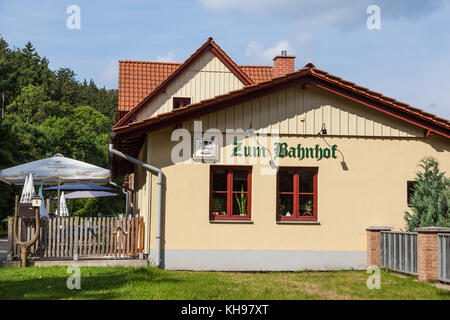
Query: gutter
column 153, row 170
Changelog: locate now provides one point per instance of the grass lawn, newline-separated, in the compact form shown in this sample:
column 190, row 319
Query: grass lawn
column 155, row 284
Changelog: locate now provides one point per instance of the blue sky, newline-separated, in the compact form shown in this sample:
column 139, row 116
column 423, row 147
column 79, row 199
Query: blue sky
column 407, row 59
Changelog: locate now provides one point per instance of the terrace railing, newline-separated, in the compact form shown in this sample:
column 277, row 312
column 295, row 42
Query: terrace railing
column 444, row 257
column 59, row 238
column 399, row 251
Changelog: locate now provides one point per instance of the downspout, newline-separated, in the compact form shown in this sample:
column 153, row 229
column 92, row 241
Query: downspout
column 126, row 191
column 153, row 170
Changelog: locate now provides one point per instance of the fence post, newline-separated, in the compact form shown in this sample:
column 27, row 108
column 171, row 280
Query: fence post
column 11, row 243
column 374, row 245
column 428, row 253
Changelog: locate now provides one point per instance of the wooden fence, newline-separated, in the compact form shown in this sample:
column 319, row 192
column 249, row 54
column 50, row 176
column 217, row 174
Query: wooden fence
column 108, row 237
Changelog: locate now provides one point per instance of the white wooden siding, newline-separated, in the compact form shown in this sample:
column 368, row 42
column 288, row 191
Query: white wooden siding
column 205, row 78
column 302, row 112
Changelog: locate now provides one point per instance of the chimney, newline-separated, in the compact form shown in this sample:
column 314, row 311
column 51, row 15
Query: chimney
column 283, row 64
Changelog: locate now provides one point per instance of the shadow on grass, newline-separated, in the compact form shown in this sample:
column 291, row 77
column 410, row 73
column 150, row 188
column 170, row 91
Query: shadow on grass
column 96, row 285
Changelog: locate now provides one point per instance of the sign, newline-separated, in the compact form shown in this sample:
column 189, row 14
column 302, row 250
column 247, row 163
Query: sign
column 283, row 150
column 205, row 149
column 26, row 210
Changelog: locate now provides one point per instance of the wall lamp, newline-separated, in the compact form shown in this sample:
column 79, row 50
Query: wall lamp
column 323, row 131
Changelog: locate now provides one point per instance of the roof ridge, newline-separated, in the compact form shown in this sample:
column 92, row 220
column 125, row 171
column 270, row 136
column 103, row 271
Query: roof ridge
column 378, row 96
column 309, row 70
column 208, row 45
column 254, row 66
column 155, row 62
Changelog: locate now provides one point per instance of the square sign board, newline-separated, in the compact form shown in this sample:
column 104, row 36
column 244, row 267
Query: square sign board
column 205, row 149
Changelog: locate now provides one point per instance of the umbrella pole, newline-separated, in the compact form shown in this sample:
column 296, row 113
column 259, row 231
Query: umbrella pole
column 59, row 195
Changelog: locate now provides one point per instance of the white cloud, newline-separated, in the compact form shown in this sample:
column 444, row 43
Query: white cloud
column 340, row 13
column 259, row 54
column 167, row 58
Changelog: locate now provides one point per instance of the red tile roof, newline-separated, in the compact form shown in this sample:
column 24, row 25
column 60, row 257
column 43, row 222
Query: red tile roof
column 130, row 137
column 311, row 76
column 378, row 96
column 258, row 73
column 137, row 79
column 208, row 45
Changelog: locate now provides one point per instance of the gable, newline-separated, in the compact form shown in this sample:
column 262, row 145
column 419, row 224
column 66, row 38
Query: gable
column 297, row 111
column 205, row 78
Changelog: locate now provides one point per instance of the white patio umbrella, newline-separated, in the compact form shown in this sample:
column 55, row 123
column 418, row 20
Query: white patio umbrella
column 28, row 190
column 25, row 185
column 63, row 207
column 42, row 210
column 56, row 170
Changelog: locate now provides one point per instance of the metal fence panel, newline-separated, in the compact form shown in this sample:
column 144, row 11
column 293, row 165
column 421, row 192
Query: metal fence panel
column 399, row 251
column 444, row 257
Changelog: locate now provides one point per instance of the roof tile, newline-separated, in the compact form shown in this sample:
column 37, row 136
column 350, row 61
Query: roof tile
column 138, row 78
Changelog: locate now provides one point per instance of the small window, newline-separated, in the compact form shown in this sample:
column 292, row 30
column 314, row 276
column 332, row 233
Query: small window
column 297, row 194
column 181, row 102
column 410, row 191
column 230, row 194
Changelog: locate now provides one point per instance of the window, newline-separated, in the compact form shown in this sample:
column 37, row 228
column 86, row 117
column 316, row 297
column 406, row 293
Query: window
column 410, row 191
column 181, row 102
column 230, row 193
column 297, row 194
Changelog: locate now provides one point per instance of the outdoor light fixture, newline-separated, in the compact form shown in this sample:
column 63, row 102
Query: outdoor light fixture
column 324, row 130
column 251, row 131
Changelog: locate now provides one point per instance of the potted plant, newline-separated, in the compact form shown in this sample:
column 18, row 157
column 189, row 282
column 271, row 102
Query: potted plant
column 217, row 204
column 308, row 208
column 242, row 202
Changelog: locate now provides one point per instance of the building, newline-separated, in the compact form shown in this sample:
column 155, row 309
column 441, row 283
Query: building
column 309, row 161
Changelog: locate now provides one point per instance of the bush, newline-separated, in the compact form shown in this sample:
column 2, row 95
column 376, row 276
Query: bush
column 431, row 198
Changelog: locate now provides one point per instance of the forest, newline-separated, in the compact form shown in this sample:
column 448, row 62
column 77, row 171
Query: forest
column 44, row 112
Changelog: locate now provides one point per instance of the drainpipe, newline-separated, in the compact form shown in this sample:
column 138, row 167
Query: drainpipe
column 126, row 190
column 153, row 170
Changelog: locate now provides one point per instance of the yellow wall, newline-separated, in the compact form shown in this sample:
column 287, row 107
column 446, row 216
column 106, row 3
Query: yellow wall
column 371, row 192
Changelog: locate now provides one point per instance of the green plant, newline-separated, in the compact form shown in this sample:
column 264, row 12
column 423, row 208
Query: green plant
column 241, row 200
column 308, row 206
column 218, row 204
column 431, row 199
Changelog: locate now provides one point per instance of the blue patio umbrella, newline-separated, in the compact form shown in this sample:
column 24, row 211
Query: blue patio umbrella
column 80, row 187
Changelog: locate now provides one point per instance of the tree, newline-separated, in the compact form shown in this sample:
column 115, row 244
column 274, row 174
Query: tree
column 51, row 112
column 431, row 198
column 28, row 102
column 82, row 135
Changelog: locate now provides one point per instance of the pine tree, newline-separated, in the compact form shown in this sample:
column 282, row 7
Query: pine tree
column 431, row 198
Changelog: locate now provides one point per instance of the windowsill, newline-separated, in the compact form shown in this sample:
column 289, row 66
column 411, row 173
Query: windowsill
column 299, row 222
column 232, row 221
